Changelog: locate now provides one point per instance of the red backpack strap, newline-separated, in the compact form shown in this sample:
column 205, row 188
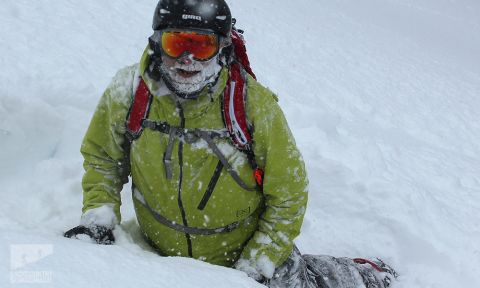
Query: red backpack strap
column 235, row 118
column 234, row 109
column 234, row 114
column 138, row 111
column 234, row 95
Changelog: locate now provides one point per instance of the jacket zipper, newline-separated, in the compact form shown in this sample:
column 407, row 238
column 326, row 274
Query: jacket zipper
column 211, row 186
column 180, row 182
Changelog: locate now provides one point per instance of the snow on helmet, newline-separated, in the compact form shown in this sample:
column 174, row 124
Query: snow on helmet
column 209, row 15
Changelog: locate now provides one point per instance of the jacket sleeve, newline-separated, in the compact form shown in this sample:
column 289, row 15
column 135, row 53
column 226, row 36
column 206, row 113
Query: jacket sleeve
column 285, row 186
column 104, row 155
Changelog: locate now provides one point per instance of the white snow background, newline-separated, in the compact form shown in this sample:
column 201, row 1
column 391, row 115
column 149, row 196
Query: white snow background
column 382, row 97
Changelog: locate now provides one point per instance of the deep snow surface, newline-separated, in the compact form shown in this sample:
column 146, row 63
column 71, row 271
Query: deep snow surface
column 382, row 96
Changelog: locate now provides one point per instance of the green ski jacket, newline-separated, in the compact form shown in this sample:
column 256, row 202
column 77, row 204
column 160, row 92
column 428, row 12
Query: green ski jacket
column 266, row 220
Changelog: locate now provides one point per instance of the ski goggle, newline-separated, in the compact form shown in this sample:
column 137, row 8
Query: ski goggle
column 203, row 46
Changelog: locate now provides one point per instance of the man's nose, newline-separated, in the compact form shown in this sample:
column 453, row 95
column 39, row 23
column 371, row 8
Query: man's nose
column 185, row 59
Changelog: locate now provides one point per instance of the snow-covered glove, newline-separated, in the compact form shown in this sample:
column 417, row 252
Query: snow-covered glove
column 100, row 234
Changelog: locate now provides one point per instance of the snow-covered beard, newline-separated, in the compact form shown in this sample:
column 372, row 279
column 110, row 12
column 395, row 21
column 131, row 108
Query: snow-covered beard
column 189, row 87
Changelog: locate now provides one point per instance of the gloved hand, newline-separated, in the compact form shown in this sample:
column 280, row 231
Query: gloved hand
column 100, row 234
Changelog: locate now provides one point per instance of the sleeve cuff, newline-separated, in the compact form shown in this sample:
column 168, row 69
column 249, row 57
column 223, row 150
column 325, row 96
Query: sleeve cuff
column 100, row 216
column 258, row 269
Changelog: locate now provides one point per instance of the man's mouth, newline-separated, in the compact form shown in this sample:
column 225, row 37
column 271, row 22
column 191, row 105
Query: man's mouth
column 185, row 73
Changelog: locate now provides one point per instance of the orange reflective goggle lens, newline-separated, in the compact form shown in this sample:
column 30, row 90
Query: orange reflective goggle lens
column 202, row 46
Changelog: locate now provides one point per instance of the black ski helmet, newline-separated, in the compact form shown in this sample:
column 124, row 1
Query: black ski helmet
column 210, row 15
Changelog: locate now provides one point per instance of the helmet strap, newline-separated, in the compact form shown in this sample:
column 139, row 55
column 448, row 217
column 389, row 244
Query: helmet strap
column 155, row 60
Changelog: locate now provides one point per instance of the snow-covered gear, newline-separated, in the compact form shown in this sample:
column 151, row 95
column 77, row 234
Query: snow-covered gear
column 192, row 70
column 101, row 216
column 209, row 15
column 100, row 234
column 234, row 116
column 197, row 193
column 320, row 271
column 183, row 75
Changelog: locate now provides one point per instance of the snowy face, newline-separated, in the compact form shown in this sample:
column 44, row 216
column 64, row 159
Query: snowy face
column 188, row 76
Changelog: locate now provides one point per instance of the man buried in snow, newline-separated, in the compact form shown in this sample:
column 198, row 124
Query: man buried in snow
column 215, row 170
